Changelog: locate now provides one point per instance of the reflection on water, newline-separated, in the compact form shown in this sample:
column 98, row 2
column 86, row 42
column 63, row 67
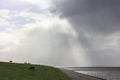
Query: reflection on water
column 109, row 75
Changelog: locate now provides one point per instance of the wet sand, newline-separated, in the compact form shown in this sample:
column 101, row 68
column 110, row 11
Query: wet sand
column 78, row 76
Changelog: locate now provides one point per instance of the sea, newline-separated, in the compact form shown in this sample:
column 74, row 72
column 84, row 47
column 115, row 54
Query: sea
column 107, row 73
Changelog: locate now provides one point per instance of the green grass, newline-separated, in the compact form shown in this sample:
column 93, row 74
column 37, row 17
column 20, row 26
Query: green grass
column 15, row 71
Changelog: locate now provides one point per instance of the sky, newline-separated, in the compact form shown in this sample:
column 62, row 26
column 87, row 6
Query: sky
column 60, row 32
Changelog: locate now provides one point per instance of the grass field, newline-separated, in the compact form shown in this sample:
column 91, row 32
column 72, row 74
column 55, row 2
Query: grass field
column 15, row 71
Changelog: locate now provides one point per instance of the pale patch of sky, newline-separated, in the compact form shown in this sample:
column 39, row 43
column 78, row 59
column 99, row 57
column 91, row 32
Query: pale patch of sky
column 17, row 13
column 24, row 4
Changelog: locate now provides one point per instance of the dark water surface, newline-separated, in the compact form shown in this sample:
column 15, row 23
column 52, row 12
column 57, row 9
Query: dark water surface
column 94, row 68
column 108, row 73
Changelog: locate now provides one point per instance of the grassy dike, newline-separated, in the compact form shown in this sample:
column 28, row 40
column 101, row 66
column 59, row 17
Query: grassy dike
column 15, row 71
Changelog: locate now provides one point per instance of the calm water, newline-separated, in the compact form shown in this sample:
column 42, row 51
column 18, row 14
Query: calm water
column 108, row 73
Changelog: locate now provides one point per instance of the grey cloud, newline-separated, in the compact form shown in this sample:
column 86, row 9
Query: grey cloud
column 94, row 21
column 94, row 16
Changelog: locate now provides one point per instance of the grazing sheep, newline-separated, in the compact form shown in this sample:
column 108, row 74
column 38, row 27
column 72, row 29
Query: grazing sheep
column 10, row 61
column 32, row 68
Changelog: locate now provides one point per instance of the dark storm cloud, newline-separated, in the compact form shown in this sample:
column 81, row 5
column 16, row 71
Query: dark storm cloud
column 100, row 16
column 97, row 23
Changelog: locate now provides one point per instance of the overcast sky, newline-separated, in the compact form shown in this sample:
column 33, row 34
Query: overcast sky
column 60, row 32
